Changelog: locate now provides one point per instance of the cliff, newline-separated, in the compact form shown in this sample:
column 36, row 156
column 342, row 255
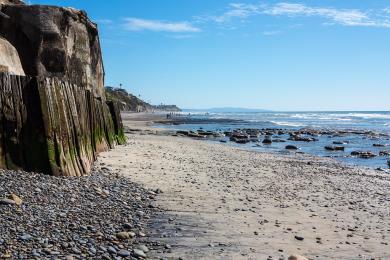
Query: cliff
column 55, row 42
column 55, row 119
column 129, row 102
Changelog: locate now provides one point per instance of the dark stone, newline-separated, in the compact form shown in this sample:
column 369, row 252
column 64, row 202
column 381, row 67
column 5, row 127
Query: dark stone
column 363, row 154
column 291, row 147
column 334, row 148
column 384, row 153
column 182, row 132
column 267, row 141
column 379, row 145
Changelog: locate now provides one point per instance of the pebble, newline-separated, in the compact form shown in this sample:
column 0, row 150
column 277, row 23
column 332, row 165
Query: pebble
column 139, row 253
column 299, row 238
column 123, row 253
column 143, row 248
column 67, row 219
column 297, row 257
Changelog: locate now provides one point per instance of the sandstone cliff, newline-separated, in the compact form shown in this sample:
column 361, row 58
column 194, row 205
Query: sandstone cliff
column 9, row 59
column 55, row 42
column 55, row 119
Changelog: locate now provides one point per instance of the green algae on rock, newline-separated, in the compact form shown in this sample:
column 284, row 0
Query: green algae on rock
column 49, row 125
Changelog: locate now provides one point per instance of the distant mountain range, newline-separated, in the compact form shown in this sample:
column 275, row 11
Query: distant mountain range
column 227, row 110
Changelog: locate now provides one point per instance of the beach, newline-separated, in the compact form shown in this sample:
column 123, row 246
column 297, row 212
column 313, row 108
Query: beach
column 223, row 202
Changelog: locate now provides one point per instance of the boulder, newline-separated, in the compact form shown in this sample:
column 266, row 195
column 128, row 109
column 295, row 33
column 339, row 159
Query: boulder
column 384, row 153
column 379, row 145
column 299, row 138
column 291, row 147
column 55, row 42
column 363, row 154
column 9, row 59
column 334, row 148
column 267, row 141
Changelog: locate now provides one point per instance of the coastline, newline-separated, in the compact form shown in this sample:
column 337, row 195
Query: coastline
column 222, row 202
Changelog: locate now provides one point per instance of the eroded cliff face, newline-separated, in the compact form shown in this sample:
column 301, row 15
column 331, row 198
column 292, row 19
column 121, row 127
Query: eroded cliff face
column 55, row 119
column 9, row 59
column 55, row 42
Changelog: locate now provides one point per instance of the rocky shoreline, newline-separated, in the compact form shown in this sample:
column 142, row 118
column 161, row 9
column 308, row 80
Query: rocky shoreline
column 293, row 138
column 102, row 216
column 224, row 202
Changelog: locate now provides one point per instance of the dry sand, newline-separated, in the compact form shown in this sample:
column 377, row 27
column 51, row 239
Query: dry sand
column 222, row 202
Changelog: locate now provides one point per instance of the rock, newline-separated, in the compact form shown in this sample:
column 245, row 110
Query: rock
column 334, row 148
column 299, row 138
column 388, row 163
column 267, row 141
column 182, row 132
column 123, row 253
column 297, row 257
column 12, row 2
column 240, row 137
column 5, row 201
column 291, row 147
column 18, row 201
column 299, row 238
column 55, row 42
column 111, row 250
column 276, row 140
column 59, row 117
column 9, row 59
column 379, row 145
column 363, row 154
column 26, row 237
column 139, row 253
column 384, row 153
column 143, row 248
column 123, row 235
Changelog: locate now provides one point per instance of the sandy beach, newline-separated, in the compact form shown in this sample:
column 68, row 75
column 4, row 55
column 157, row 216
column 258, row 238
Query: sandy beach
column 221, row 202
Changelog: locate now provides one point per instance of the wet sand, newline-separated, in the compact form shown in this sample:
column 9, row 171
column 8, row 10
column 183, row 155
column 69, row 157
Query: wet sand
column 221, row 202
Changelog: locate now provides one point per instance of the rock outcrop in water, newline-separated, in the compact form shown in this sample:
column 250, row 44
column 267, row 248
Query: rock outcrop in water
column 56, row 119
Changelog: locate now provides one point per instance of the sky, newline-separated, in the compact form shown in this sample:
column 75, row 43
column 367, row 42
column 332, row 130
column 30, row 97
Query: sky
column 278, row 55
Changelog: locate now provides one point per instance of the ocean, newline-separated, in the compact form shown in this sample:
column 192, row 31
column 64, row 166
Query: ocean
column 358, row 131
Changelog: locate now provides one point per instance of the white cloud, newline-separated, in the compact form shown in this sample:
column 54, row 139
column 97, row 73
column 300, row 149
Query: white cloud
column 271, row 33
column 136, row 24
column 346, row 17
column 237, row 11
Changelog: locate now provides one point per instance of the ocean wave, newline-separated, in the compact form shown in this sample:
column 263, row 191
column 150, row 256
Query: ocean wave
column 287, row 124
column 368, row 116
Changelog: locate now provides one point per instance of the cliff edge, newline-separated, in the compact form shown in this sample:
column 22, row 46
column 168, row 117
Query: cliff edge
column 54, row 117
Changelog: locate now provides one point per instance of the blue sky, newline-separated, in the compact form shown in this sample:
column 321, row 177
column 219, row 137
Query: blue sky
column 279, row 55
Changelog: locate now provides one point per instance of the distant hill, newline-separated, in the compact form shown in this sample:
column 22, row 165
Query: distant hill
column 128, row 102
column 227, row 110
